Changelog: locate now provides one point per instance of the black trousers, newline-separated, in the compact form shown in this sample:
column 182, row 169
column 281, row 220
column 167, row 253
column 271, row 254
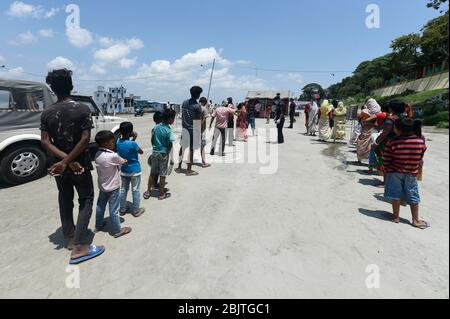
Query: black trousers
column 222, row 133
column 292, row 120
column 280, row 127
column 84, row 186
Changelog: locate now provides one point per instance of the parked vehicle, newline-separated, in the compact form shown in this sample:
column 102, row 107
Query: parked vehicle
column 22, row 159
column 138, row 112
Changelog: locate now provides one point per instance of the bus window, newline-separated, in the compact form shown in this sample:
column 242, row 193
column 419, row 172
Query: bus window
column 5, row 99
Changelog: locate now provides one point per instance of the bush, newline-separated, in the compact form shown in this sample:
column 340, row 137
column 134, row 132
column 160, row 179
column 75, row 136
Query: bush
column 443, row 125
column 435, row 119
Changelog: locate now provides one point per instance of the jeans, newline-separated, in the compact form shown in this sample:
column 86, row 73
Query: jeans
column 222, row 133
column 85, row 189
column 113, row 199
column 280, row 127
column 135, row 182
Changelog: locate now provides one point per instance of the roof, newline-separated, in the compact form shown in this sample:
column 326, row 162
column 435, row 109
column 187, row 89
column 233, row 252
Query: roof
column 28, row 86
column 268, row 94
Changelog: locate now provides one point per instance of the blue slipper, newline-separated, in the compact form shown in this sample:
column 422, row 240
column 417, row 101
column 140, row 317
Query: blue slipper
column 94, row 252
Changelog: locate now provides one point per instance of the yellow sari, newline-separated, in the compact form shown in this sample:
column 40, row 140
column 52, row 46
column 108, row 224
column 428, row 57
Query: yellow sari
column 325, row 132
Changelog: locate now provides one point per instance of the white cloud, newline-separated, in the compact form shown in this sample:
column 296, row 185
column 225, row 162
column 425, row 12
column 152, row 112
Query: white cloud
column 97, row 69
column 13, row 73
column 60, row 63
column 117, row 52
column 172, row 80
column 25, row 39
column 46, row 33
column 19, row 9
column 292, row 77
column 2, row 59
column 79, row 37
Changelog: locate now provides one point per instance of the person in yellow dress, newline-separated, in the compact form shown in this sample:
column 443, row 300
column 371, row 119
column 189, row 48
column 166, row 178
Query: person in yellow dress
column 340, row 116
column 325, row 131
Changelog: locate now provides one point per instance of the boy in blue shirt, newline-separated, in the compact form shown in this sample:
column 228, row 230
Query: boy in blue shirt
column 128, row 149
column 162, row 140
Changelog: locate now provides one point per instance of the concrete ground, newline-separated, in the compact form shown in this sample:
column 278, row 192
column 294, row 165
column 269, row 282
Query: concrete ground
column 316, row 228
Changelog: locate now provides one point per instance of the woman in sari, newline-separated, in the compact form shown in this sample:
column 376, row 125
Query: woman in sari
column 325, row 131
column 242, row 124
column 313, row 117
column 364, row 143
column 340, row 115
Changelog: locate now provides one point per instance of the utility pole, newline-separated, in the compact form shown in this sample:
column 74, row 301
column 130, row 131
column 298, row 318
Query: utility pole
column 211, row 78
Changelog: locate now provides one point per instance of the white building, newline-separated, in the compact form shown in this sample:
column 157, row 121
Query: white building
column 114, row 100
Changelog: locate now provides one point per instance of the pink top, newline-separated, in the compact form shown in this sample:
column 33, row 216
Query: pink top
column 108, row 169
column 221, row 114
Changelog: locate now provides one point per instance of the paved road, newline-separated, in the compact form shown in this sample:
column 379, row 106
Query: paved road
column 308, row 231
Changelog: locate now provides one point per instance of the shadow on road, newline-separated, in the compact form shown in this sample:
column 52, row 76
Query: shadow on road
column 371, row 182
column 382, row 215
column 57, row 239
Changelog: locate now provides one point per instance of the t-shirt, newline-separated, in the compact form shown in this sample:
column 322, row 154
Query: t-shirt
column 162, row 138
column 129, row 150
column 221, row 114
column 404, row 154
column 251, row 111
column 108, row 170
column 65, row 123
column 292, row 107
column 191, row 111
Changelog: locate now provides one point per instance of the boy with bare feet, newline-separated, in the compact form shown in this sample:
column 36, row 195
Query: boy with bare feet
column 403, row 158
column 162, row 141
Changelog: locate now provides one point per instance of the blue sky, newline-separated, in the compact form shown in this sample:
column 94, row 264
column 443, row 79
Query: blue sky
column 156, row 48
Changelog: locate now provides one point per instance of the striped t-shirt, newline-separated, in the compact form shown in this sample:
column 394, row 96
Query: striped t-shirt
column 404, row 154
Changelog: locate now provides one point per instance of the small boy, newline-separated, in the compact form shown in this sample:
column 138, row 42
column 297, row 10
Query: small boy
column 108, row 165
column 128, row 149
column 162, row 140
column 157, row 118
column 403, row 159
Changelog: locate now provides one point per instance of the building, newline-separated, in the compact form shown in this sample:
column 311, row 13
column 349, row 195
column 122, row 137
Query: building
column 115, row 100
column 264, row 97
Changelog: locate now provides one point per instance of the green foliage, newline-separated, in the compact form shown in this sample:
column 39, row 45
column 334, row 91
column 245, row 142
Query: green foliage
column 311, row 89
column 443, row 125
column 437, row 118
column 436, row 4
column 410, row 54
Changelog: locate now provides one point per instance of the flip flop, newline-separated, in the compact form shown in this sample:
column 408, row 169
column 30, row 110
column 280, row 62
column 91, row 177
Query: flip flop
column 166, row 196
column 147, row 195
column 423, row 227
column 206, row 165
column 94, row 252
column 192, row 174
column 123, row 232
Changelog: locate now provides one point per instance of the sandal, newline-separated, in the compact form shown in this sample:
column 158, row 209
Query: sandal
column 147, row 195
column 422, row 227
column 124, row 231
column 192, row 173
column 94, row 252
column 206, row 165
column 166, row 196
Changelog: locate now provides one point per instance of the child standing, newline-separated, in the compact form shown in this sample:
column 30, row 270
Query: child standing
column 108, row 165
column 128, row 149
column 153, row 182
column 162, row 141
column 403, row 159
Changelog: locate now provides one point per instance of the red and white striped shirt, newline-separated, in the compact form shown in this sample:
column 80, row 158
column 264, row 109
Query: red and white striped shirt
column 404, row 154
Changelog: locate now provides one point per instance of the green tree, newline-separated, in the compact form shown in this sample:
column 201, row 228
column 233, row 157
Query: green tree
column 436, row 4
column 311, row 89
column 434, row 42
column 406, row 54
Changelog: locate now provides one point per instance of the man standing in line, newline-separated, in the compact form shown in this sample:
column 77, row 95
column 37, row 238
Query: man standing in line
column 221, row 115
column 280, row 117
column 292, row 107
column 191, row 112
column 66, row 133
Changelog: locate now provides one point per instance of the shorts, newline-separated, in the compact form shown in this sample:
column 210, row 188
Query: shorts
column 159, row 164
column 402, row 186
column 252, row 123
